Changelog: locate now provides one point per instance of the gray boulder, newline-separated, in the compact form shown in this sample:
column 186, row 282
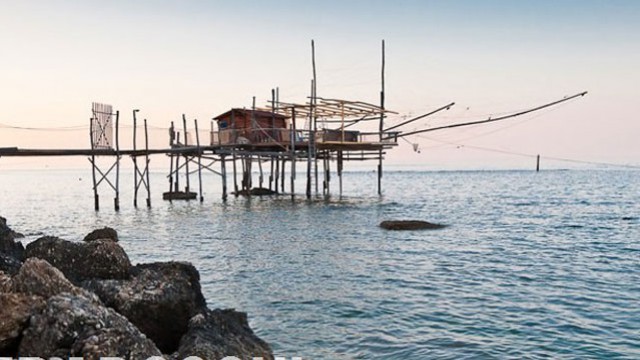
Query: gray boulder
column 98, row 259
column 9, row 264
column 8, row 245
column 38, row 277
column 5, row 282
column 215, row 334
column 102, row 234
column 159, row 299
column 71, row 325
column 15, row 311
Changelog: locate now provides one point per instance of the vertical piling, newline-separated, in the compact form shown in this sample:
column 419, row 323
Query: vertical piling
column 186, row 157
column 381, row 124
column 223, row 168
column 116, row 200
column 135, row 162
column 146, row 158
column 538, row 163
column 92, row 159
column 199, row 154
column 340, row 164
column 293, row 152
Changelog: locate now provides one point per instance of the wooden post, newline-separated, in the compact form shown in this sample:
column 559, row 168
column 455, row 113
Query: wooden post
column 271, row 174
column 177, row 184
column 538, row 163
column 186, row 157
column 199, row 153
column 235, row 174
column 381, row 124
column 284, row 163
column 92, row 159
column 340, row 164
column 146, row 158
column 315, row 120
column 223, row 169
column 293, row 152
column 277, row 172
column 261, row 174
column 135, row 162
column 171, row 137
column 309, row 145
column 116, row 200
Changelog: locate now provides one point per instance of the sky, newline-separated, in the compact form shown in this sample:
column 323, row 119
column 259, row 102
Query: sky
column 200, row 58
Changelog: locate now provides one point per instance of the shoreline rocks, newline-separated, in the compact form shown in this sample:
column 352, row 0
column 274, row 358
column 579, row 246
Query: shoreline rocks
column 60, row 298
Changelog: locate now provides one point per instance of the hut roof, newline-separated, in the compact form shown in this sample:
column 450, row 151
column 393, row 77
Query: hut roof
column 257, row 113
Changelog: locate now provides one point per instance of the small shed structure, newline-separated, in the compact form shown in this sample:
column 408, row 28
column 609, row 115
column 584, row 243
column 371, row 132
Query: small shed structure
column 253, row 125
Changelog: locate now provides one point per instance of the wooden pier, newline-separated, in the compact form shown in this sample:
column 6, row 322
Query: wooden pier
column 243, row 141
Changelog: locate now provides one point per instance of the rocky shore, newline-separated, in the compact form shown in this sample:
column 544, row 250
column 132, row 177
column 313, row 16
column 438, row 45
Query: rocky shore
column 60, row 298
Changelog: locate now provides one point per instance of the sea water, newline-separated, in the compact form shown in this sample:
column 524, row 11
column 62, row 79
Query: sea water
column 531, row 265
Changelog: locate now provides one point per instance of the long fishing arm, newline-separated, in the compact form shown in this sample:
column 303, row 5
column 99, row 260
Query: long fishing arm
column 491, row 119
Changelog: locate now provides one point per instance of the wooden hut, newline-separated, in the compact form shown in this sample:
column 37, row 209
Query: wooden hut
column 238, row 126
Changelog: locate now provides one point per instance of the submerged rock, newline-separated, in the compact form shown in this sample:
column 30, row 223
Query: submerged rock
column 409, row 225
column 215, row 334
column 73, row 325
column 106, row 233
column 97, row 259
column 159, row 299
column 15, row 311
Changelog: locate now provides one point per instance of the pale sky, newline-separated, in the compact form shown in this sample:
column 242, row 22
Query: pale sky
column 201, row 58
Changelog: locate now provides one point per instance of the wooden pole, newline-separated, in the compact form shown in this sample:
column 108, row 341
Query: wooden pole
column 235, row 175
column 92, row 159
column 224, row 177
column 315, row 120
column 293, row 152
column 538, row 163
column 261, row 178
column 381, row 124
column 277, row 172
column 340, row 164
column 310, row 145
column 171, row 137
column 116, row 200
column 177, row 189
column 271, row 174
column 282, row 181
column 186, row 157
column 146, row 157
column 135, row 163
column 199, row 152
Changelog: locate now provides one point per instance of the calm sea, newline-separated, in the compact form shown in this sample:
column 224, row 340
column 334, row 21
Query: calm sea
column 532, row 265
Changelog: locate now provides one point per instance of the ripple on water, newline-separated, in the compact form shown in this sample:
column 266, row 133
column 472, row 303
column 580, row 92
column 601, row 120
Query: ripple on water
column 533, row 265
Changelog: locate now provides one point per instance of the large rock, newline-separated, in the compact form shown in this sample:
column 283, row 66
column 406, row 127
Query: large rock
column 215, row 334
column 38, row 277
column 159, row 299
column 5, row 282
column 8, row 245
column 102, row 234
column 9, row 264
column 409, row 225
column 98, row 259
column 72, row 325
column 15, row 311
